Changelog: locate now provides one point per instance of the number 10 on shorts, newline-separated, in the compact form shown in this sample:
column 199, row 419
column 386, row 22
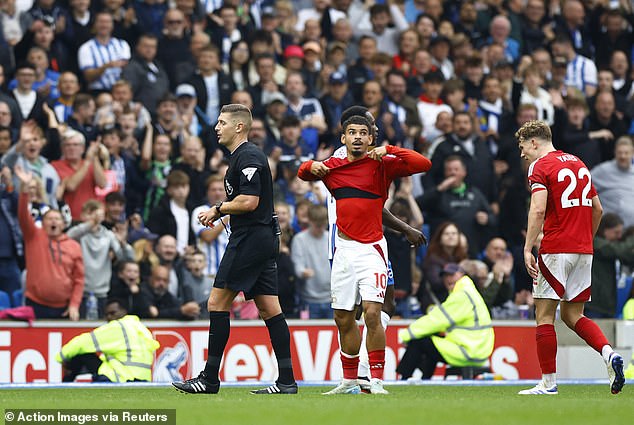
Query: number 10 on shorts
column 381, row 280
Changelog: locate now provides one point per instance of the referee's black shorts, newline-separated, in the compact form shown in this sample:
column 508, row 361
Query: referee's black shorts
column 249, row 263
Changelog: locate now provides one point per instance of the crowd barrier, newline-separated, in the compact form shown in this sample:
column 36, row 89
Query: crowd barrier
column 27, row 354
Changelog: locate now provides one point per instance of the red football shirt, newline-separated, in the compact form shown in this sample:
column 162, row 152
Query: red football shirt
column 568, row 221
column 361, row 188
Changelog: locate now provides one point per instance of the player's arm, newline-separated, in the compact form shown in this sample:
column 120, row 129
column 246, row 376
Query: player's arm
column 414, row 236
column 312, row 170
column 411, row 162
column 597, row 213
column 536, row 215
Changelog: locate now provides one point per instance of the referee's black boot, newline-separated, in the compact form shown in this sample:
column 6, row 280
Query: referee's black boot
column 198, row 385
column 278, row 388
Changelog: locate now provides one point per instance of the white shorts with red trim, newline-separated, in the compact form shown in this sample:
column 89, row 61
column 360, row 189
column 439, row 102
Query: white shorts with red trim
column 564, row 277
column 359, row 272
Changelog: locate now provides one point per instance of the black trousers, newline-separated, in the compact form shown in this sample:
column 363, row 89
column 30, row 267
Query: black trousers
column 83, row 363
column 422, row 354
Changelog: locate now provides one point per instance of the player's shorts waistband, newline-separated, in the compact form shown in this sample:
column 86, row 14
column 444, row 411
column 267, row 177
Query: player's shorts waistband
column 346, row 242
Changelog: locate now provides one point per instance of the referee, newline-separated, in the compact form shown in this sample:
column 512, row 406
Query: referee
column 249, row 261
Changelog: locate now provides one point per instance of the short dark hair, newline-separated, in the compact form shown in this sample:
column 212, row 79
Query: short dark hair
column 123, row 305
column 609, row 221
column 290, row 121
column 358, row 120
column 376, row 9
column 24, row 65
column 114, row 197
column 360, row 111
column 168, row 97
column 81, row 100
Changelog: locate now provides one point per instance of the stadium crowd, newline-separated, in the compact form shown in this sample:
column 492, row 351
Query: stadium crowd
column 108, row 149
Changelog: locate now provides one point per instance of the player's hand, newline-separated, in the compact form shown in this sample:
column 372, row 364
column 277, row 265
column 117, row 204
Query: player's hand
column 531, row 263
column 318, row 169
column 207, row 218
column 377, row 153
column 415, row 237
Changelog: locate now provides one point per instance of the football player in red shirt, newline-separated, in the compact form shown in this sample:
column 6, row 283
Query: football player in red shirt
column 360, row 182
column 565, row 203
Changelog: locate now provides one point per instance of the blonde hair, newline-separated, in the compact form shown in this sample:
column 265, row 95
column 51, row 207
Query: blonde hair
column 535, row 129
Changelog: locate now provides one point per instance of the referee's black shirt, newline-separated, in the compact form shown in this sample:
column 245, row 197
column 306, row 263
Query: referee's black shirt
column 249, row 174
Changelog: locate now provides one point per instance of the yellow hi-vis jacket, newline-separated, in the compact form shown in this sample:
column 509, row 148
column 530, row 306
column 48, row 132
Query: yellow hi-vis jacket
column 126, row 346
column 465, row 319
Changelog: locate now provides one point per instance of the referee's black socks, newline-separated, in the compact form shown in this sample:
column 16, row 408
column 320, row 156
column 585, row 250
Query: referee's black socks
column 218, row 337
column 281, row 342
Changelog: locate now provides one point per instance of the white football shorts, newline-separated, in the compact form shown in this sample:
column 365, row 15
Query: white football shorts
column 359, row 272
column 564, row 277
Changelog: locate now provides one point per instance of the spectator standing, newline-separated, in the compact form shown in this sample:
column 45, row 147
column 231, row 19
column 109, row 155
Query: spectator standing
column 459, row 202
column 27, row 154
column 102, row 58
column 614, row 181
column 11, row 244
column 211, row 241
column 79, row 176
column 97, row 244
column 54, row 263
column 612, row 251
column 171, row 215
column 309, row 252
column 147, row 77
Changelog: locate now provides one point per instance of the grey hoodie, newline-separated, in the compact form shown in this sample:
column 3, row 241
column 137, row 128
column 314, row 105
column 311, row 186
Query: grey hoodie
column 95, row 248
column 40, row 168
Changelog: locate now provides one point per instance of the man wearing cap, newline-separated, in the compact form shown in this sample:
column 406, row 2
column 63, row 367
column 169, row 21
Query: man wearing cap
column 294, row 58
column 199, row 123
column 312, row 66
column 463, row 318
column 337, row 100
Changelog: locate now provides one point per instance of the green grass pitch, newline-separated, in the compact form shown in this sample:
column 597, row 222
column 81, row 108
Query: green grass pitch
column 490, row 405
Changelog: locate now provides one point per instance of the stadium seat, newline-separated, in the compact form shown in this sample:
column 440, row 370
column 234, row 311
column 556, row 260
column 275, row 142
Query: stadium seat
column 5, row 300
column 18, row 298
column 466, row 372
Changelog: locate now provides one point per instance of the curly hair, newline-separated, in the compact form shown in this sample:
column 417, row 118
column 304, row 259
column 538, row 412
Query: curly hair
column 535, row 129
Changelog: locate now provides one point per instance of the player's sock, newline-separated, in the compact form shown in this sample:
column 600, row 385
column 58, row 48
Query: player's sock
column 549, row 379
column 364, row 361
column 350, row 364
column 377, row 363
column 546, row 339
column 218, row 336
column 281, row 342
column 606, row 352
column 591, row 333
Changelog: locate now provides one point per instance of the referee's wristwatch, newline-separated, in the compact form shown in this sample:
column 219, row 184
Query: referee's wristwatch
column 218, row 205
